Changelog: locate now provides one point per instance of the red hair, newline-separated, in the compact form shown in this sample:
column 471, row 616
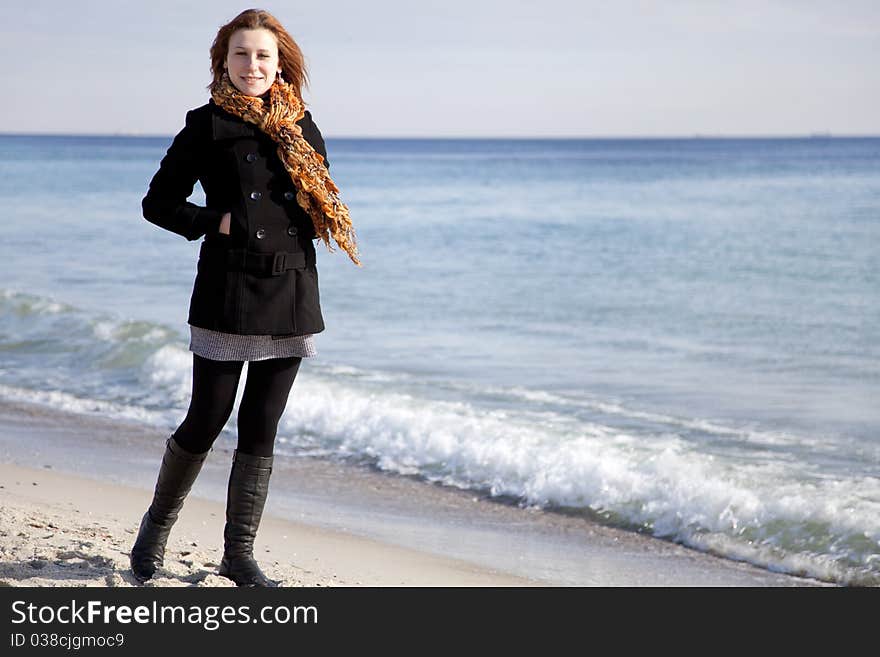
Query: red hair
column 290, row 57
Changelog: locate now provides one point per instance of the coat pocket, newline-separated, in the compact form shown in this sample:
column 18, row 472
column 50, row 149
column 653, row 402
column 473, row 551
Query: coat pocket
column 268, row 302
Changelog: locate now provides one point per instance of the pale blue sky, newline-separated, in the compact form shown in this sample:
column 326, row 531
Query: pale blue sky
column 463, row 67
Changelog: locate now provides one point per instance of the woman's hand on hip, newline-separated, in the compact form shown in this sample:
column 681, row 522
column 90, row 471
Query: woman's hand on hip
column 224, row 223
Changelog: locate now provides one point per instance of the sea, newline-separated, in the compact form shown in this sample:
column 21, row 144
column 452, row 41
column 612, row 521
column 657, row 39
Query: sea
column 679, row 337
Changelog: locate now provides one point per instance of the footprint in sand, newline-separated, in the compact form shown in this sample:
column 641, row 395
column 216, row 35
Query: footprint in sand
column 78, row 557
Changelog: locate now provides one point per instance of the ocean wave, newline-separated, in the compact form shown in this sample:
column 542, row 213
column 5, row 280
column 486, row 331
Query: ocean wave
column 755, row 500
column 769, row 510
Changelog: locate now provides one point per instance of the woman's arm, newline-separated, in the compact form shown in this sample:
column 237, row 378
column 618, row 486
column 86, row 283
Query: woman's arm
column 165, row 203
column 313, row 136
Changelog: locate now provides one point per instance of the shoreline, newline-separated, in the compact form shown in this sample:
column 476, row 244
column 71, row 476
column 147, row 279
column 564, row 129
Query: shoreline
column 75, row 486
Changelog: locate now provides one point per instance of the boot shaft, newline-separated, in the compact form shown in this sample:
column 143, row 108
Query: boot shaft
column 246, row 497
column 179, row 471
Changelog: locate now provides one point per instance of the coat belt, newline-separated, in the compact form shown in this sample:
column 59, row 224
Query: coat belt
column 265, row 264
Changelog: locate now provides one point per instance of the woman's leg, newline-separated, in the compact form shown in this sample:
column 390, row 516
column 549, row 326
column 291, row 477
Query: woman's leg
column 264, row 399
column 214, row 385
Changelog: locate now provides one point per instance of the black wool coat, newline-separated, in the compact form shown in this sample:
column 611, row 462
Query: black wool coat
column 261, row 279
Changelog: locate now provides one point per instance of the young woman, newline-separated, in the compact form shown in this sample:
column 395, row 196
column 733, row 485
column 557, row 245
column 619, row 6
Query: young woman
column 263, row 166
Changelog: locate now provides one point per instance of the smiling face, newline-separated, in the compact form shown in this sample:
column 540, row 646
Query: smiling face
column 252, row 61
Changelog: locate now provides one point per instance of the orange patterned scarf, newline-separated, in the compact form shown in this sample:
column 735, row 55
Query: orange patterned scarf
column 317, row 194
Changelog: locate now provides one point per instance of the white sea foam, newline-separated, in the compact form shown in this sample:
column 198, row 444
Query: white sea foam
column 362, row 374
column 170, row 369
column 105, row 330
column 129, row 331
column 84, row 406
column 25, row 302
column 661, row 482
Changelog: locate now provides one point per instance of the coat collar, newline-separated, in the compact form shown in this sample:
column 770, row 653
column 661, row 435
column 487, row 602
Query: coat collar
column 228, row 126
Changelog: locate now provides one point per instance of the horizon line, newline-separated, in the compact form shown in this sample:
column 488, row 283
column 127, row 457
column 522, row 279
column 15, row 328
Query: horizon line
column 698, row 135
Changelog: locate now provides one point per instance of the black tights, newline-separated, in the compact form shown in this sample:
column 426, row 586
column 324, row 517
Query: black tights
column 215, row 383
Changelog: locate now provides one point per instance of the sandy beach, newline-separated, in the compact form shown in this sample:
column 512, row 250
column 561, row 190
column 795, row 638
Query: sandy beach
column 63, row 530
column 73, row 488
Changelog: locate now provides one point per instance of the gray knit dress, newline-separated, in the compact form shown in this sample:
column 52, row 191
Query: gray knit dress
column 230, row 346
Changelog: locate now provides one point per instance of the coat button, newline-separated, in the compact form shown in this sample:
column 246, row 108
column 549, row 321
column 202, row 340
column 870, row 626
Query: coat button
column 288, row 196
column 291, row 231
column 260, row 234
column 256, row 196
column 251, row 157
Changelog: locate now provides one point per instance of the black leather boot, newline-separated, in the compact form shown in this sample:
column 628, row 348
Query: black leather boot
column 176, row 476
column 246, row 496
